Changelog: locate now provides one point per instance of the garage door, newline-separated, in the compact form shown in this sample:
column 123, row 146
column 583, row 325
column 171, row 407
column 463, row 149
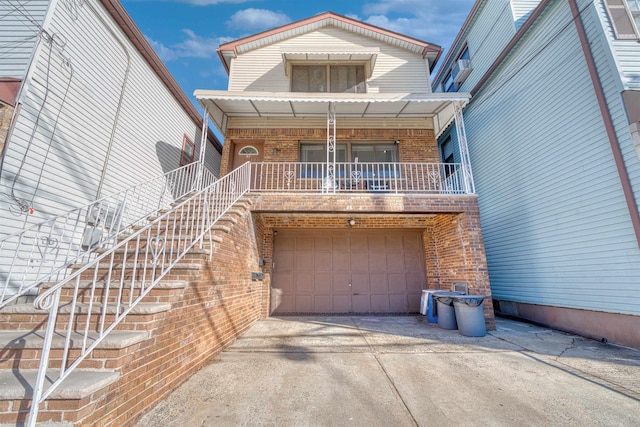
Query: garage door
column 354, row 271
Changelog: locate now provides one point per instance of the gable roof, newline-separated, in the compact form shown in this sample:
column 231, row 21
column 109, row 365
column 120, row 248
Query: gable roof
column 230, row 50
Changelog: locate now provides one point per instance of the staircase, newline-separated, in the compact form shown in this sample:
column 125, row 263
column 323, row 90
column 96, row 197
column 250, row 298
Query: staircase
column 125, row 329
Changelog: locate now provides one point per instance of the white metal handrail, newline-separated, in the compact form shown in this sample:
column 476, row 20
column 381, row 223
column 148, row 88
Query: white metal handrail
column 395, row 178
column 146, row 255
column 42, row 252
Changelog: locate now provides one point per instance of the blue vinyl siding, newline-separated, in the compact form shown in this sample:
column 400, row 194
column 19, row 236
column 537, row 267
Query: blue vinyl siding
column 556, row 226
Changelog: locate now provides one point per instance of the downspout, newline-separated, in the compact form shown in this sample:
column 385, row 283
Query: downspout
column 608, row 121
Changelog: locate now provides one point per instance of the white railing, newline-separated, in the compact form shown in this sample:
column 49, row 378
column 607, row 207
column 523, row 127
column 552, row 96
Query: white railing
column 102, row 292
column 395, row 178
column 42, row 252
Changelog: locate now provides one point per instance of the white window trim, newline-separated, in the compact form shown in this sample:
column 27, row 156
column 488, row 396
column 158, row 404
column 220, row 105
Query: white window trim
column 625, row 7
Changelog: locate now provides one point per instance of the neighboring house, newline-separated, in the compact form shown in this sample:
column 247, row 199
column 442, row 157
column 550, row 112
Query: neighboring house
column 554, row 139
column 354, row 211
column 88, row 107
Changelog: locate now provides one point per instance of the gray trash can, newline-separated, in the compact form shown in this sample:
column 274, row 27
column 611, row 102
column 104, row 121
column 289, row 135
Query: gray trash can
column 444, row 309
column 470, row 315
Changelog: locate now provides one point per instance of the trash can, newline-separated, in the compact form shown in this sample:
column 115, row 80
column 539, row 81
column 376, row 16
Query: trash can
column 427, row 306
column 444, row 309
column 470, row 315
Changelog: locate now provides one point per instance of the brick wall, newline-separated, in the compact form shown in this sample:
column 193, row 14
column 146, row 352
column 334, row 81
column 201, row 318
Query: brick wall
column 452, row 240
column 219, row 303
column 6, row 113
column 416, row 145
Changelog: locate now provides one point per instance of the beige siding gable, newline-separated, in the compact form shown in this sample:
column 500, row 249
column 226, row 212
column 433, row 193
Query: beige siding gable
column 396, row 69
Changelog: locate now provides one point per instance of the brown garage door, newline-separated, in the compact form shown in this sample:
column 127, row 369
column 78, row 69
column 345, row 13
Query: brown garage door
column 353, row 271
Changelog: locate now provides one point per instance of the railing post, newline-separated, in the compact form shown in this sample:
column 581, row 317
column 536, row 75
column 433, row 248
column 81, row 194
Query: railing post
column 331, row 149
column 467, row 174
column 38, row 387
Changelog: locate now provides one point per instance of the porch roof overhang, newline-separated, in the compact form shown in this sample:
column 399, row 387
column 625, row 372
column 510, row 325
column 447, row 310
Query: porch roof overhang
column 223, row 105
column 365, row 56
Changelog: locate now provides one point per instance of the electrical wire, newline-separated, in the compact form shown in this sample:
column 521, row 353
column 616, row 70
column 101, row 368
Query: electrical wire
column 19, row 205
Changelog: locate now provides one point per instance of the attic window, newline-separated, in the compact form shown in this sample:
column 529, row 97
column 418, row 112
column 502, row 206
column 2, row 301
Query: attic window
column 328, row 78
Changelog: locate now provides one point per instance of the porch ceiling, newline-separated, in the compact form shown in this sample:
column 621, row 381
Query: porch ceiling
column 223, row 105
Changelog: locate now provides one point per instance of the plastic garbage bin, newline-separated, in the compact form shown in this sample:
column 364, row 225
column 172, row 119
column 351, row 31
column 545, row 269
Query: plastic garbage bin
column 427, row 306
column 470, row 315
column 444, row 309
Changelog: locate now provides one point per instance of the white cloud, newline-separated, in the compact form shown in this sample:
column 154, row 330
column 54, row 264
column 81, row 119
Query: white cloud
column 193, row 46
column 434, row 21
column 257, row 19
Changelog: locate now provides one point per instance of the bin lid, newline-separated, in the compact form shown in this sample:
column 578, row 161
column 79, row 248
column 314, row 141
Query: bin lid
column 444, row 297
column 470, row 300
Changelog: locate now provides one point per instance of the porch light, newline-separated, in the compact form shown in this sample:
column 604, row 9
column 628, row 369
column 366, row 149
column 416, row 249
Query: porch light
column 351, row 222
column 276, row 151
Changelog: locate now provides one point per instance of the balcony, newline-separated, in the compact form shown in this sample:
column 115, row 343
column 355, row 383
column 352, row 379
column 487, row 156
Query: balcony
column 362, row 178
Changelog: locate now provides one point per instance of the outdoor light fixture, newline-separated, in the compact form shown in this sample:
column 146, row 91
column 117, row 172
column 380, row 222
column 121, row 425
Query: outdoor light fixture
column 276, row 151
column 351, row 222
column 397, row 141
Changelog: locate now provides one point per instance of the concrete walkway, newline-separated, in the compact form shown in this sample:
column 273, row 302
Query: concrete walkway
column 402, row 371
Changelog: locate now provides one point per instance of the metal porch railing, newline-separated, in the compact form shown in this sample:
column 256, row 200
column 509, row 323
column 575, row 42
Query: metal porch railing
column 394, row 178
column 41, row 253
column 147, row 255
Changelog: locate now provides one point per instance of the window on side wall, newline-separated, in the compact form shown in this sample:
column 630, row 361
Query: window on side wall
column 328, row 78
column 446, row 154
column 625, row 18
column 188, row 151
column 449, row 84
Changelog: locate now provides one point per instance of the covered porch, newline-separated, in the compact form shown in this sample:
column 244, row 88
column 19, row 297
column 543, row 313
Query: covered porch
column 282, row 129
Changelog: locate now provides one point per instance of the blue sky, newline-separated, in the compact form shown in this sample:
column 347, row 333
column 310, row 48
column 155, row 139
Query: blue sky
column 186, row 33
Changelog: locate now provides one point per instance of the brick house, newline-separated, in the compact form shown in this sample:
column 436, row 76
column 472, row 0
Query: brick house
column 355, row 208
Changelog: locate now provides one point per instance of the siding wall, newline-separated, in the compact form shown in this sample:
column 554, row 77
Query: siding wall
column 626, row 52
column 19, row 32
column 488, row 35
column 521, row 10
column 69, row 113
column 556, row 226
column 395, row 70
column 616, row 69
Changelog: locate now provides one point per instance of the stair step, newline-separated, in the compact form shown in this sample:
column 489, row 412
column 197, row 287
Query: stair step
column 138, row 266
column 176, row 284
column 221, row 227
column 33, row 339
column 140, row 308
column 230, row 219
column 18, row 385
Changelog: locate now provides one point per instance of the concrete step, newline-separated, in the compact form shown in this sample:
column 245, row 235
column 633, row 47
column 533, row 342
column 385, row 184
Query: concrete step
column 164, row 291
column 26, row 316
column 23, row 348
column 18, row 385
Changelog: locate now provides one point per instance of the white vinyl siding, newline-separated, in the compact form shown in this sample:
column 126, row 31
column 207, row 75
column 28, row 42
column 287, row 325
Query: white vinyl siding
column 626, row 52
column 522, row 9
column 20, row 24
column 395, row 70
column 68, row 136
column 556, row 226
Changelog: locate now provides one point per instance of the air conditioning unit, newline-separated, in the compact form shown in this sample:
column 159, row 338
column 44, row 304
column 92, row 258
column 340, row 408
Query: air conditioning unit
column 461, row 70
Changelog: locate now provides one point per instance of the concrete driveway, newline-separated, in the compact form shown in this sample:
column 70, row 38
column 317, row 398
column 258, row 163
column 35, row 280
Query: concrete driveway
column 402, row 371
